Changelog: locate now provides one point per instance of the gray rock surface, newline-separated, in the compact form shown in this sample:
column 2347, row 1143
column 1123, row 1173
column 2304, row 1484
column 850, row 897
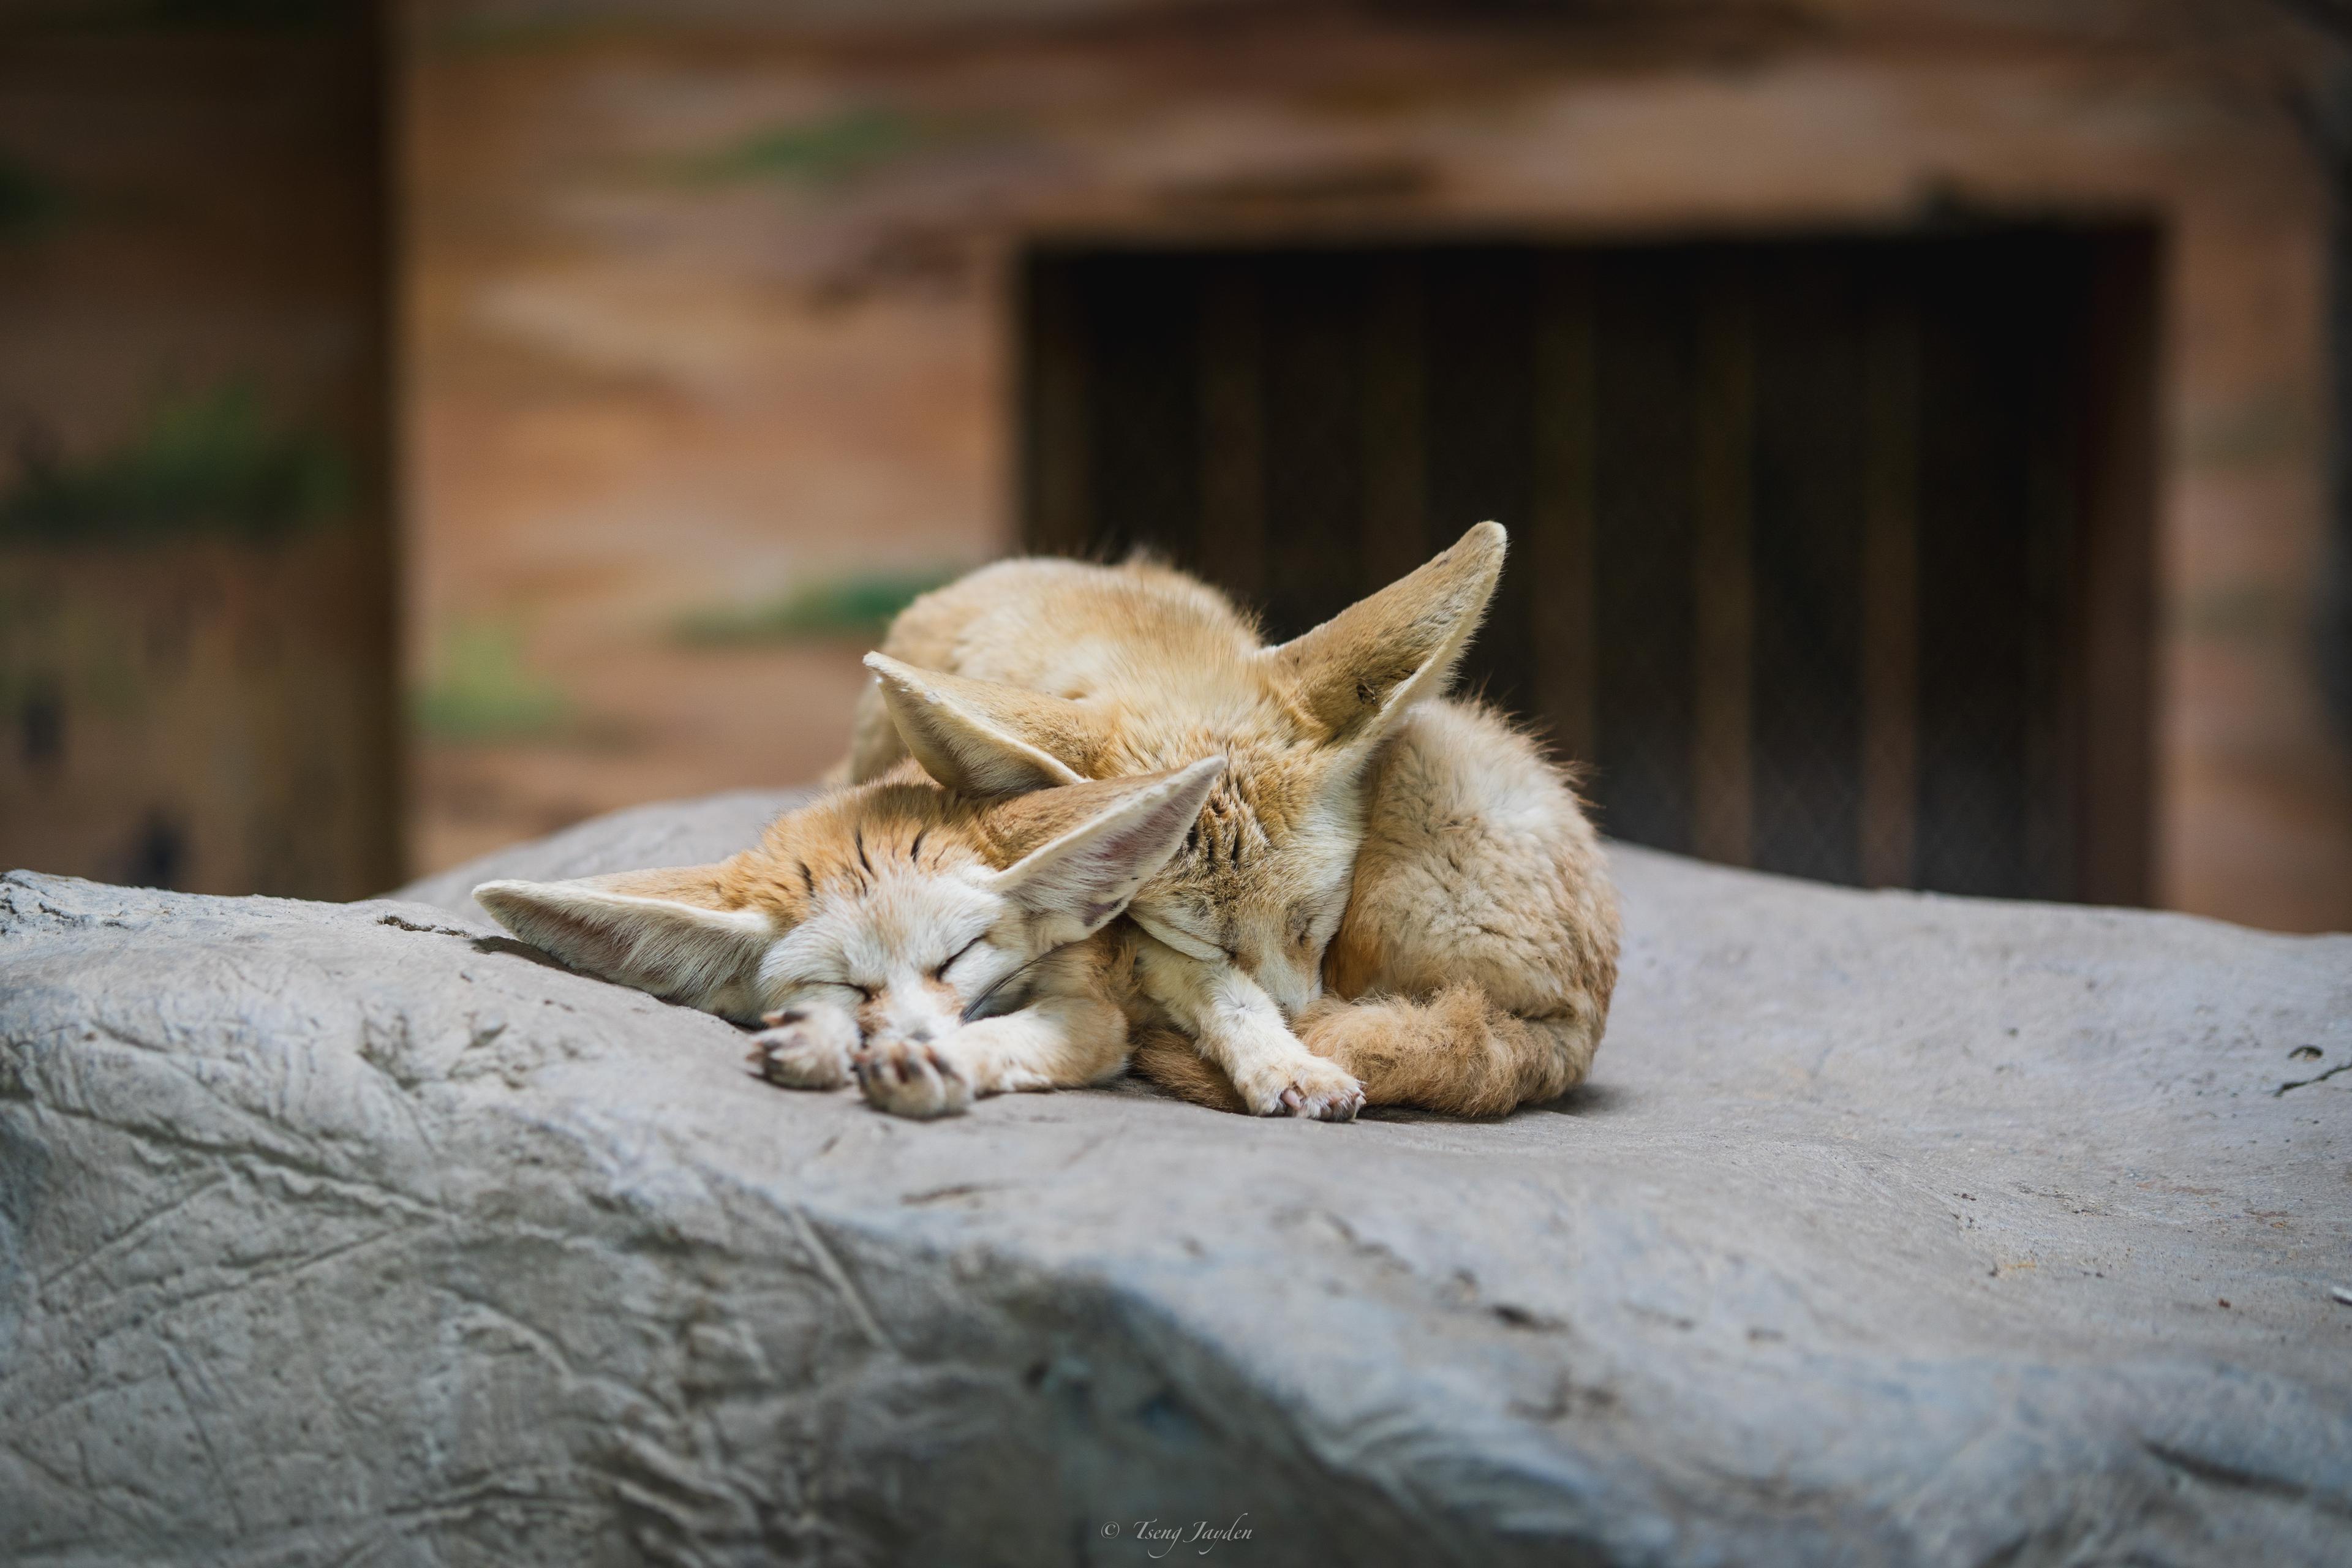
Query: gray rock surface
column 1892, row 1229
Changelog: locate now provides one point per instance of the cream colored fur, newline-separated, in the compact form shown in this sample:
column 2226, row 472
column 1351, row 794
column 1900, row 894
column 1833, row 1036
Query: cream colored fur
column 932, row 945
column 1417, row 857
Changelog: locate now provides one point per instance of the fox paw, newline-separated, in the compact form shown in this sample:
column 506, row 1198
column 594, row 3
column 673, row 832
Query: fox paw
column 804, row 1050
column 908, row 1080
column 1305, row 1087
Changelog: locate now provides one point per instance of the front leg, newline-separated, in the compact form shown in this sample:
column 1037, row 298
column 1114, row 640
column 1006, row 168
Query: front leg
column 1236, row 1024
column 1059, row 1042
column 806, row 1046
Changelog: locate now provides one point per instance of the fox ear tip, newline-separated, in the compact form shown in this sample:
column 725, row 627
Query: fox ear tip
column 1206, row 768
column 507, row 898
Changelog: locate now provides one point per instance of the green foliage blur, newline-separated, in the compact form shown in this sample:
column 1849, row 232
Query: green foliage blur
column 860, row 605
column 214, row 465
column 29, row 204
column 481, row 689
column 818, row 151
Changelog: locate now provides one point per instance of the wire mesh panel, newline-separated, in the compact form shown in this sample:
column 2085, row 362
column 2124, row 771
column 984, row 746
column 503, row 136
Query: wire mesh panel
column 1644, row 672
column 1829, row 557
column 1809, row 473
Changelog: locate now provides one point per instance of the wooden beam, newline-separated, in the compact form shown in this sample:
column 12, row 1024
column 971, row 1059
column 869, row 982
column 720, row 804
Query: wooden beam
column 1723, row 585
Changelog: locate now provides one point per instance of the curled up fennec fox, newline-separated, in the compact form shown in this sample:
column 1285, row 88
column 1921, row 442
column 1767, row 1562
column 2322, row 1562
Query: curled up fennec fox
column 935, row 946
column 1328, row 819
column 1389, row 897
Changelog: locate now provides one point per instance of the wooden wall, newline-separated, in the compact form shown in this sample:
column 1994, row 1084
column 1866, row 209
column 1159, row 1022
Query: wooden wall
column 197, row 582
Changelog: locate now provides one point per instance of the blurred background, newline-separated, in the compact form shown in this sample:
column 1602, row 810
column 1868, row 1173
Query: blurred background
column 423, row 427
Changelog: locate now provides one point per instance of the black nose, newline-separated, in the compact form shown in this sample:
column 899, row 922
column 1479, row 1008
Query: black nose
column 920, row 1035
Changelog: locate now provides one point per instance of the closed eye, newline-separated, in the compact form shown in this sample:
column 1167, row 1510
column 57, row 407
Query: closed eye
column 949, row 961
column 1190, row 943
column 978, row 1007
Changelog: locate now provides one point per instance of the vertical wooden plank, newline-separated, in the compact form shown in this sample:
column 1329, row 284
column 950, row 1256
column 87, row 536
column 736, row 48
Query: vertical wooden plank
column 1806, row 525
column 2047, row 316
column 1645, row 369
column 1057, row 515
column 1142, row 406
column 1395, row 527
column 205, row 692
column 1481, row 435
column 1890, row 575
column 1560, row 552
column 1313, row 441
column 1976, row 677
column 378, row 102
column 1722, row 587
column 2115, row 574
column 1232, row 426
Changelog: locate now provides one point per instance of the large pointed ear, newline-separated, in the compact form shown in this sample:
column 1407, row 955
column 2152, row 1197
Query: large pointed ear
column 669, row 933
column 979, row 738
column 1119, row 834
column 1358, row 671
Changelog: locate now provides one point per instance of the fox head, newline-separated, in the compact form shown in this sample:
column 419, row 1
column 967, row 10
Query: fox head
column 894, row 904
column 1262, row 879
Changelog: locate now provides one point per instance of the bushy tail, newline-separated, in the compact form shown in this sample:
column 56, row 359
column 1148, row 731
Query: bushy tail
column 1164, row 1057
column 1457, row 1053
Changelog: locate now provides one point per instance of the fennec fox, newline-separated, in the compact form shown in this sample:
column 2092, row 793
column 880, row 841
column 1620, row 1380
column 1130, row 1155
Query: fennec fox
column 1418, row 858
column 935, row 946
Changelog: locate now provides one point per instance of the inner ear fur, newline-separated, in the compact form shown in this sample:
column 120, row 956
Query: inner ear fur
column 1086, row 850
column 672, row 932
column 980, row 738
column 1352, row 676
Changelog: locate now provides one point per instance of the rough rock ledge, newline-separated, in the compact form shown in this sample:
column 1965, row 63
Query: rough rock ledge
column 1893, row 1229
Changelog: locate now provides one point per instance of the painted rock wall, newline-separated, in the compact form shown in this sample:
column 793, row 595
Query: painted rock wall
column 1890, row 1229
